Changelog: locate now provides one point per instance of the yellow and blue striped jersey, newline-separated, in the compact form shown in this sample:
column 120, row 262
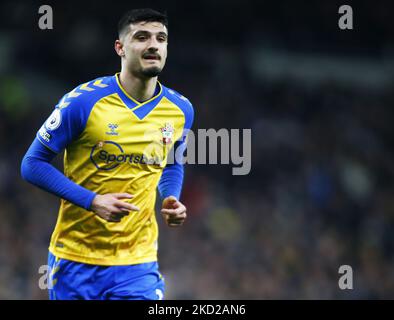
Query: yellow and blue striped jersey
column 113, row 143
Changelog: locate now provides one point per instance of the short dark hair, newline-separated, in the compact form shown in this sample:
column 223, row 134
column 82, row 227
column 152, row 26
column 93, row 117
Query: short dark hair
column 138, row 15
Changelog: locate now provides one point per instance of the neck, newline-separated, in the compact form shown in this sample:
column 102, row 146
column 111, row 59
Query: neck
column 138, row 88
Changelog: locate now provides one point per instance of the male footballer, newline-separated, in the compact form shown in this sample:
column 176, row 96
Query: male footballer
column 117, row 132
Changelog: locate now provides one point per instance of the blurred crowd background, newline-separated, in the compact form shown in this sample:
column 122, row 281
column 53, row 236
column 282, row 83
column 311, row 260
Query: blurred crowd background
column 319, row 101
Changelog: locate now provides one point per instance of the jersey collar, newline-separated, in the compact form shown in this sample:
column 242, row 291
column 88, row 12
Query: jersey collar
column 140, row 109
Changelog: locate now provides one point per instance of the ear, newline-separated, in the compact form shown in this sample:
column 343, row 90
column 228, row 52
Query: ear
column 119, row 48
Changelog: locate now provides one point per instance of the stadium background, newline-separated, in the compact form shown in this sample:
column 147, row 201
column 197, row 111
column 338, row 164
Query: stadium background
column 319, row 102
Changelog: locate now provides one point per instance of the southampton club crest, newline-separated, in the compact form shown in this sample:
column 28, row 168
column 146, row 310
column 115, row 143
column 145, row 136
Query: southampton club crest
column 167, row 131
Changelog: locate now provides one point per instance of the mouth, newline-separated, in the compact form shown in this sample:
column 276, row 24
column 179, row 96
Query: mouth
column 151, row 57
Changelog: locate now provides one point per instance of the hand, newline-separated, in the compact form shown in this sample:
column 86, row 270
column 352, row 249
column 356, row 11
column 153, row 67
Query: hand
column 173, row 212
column 110, row 208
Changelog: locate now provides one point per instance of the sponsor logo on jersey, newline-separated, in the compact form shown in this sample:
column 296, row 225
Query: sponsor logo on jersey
column 107, row 155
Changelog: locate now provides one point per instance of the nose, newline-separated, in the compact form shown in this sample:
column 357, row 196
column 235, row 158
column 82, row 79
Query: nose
column 153, row 44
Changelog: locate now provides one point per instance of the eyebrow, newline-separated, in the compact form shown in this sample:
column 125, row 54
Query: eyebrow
column 160, row 33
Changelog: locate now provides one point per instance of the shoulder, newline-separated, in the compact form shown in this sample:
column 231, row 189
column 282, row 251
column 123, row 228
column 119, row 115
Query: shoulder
column 87, row 94
column 181, row 101
column 176, row 97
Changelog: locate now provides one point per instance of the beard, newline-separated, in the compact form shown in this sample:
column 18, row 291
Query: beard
column 151, row 72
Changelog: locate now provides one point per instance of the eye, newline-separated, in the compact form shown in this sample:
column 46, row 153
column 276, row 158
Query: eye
column 141, row 37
